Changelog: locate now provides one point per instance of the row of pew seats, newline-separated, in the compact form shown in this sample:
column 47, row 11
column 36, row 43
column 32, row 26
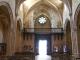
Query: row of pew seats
column 19, row 56
column 62, row 56
column 27, row 57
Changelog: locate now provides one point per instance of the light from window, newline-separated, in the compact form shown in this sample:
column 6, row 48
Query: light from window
column 21, row 7
column 65, row 7
column 42, row 20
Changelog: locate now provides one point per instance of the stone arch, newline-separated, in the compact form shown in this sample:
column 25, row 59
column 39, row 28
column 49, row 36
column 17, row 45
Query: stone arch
column 7, row 22
column 46, row 13
column 77, row 26
column 44, row 25
column 36, row 14
column 68, row 5
column 19, row 22
column 67, row 20
column 46, row 3
column 76, row 32
column 75, row 16
column 18, row 5
column 7, row 33
column 68, row 37
column 2, row 3
column 18, row 36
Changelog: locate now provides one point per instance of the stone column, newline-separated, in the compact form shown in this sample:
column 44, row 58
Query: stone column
column 8, row 38
column 10, row 43
column 75, row 52
column 21, row 40
column 73, row 38
column 64, row 39
column 13, row 41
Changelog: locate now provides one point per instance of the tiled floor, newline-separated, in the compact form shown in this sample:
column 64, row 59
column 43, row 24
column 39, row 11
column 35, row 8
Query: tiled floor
column 42, row 57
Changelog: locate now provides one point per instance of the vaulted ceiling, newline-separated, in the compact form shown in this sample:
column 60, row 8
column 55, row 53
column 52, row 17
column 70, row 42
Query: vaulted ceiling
column 57, row 3
column 4, row 16
column 29, row 3
column 37, row 5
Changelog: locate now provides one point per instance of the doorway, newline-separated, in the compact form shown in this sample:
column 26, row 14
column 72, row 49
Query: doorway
column 42, row 47
column 47, row 46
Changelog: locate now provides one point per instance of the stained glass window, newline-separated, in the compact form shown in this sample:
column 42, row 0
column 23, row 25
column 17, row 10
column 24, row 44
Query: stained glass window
column 42, row 20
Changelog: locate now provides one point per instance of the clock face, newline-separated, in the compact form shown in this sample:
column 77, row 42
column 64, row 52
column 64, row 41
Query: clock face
column 42, row 20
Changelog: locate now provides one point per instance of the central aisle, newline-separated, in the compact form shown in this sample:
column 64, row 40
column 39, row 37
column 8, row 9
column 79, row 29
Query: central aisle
column 43, row 57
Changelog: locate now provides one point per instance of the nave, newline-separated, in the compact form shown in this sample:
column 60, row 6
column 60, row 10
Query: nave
column 37, row 57
column 24, row 22
column 43, row 57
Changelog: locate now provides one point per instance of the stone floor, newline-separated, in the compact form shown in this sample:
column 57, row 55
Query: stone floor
column 42, row 57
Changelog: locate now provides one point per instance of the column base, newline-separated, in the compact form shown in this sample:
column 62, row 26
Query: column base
column 76, row 55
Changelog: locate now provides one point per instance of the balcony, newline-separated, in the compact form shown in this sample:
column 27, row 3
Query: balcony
column 43, row 30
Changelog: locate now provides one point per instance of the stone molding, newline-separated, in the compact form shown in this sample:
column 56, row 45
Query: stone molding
column 2, row 3
column 68, row 5
column 18, row 5
column 75, row 16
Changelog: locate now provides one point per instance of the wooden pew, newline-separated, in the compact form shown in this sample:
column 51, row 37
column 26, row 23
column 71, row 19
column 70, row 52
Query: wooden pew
column 77, row 58
column 24, row 55
column 61, row 56
column 4, row 57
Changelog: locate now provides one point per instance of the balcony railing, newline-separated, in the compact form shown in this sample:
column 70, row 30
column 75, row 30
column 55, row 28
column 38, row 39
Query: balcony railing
column 43, row 30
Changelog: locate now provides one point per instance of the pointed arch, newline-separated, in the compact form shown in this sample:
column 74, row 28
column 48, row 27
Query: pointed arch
column 67, row 20
column 19, row 23
column 75, row 16
column 40, row 2
column 68, row 5
column 2, row 3
column 68, row 36
column 77, row 26
column 18, row 5
column 45, row 3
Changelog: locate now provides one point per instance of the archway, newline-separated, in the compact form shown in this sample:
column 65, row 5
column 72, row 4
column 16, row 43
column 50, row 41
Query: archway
column 42, row 47
column 43, row 37
column 42, row 27
column 28, row 9
column 68, row 38
column 77, row 28
column 78, row 31
column 18, row 37
column 6, row 23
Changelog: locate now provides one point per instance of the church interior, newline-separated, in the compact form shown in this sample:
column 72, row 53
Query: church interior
column 39, row 29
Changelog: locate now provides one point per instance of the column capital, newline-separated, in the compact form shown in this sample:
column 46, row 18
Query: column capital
column 16, row 14
column 11, row 29
column 70, row 14
column 74, row 30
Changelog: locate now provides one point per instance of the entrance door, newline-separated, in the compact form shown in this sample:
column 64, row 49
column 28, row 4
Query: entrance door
column 42, row 47
column 43, row 37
